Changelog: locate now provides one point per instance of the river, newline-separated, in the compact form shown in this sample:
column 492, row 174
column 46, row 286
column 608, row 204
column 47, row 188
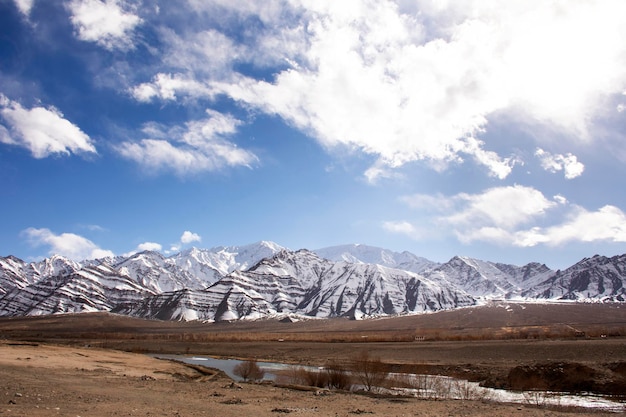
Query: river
column 431, row 386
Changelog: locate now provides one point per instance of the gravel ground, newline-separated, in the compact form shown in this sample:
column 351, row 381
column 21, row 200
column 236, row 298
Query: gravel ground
column 46, row 380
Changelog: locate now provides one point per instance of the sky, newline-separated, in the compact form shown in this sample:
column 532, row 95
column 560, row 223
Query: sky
column 488, row 129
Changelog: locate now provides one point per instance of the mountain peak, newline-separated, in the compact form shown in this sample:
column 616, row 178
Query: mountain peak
column 268, row 244
column 360, row 253
column 264, row 279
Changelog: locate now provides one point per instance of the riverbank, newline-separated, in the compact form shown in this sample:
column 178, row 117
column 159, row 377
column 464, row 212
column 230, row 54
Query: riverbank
column 573, row 364
column 49, row 380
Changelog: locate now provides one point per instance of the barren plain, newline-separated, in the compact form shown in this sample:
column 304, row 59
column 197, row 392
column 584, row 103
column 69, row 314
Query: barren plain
column 94, row 364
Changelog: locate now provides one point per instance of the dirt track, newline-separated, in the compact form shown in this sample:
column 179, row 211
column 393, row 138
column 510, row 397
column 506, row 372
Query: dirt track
column 43, row 380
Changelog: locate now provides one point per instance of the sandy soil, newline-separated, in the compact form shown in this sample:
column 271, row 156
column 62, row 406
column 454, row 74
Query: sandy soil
column 47, row 380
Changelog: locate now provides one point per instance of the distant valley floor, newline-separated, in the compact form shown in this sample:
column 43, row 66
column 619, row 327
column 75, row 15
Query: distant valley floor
column 581, row 346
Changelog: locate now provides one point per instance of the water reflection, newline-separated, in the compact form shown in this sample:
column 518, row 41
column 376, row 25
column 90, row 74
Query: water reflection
column 227, row 365
column 430, row 386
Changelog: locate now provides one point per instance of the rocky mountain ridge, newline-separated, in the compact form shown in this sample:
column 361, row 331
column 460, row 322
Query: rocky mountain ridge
column 266, row 280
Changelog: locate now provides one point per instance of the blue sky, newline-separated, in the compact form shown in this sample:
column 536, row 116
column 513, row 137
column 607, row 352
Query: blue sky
column 487, row 129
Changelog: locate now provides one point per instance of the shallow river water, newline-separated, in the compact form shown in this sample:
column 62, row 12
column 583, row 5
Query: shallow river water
column 431, row 386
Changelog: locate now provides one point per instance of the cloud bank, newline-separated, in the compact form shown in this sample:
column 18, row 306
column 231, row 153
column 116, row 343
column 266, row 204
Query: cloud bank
column 410, row 83
column 511, row 216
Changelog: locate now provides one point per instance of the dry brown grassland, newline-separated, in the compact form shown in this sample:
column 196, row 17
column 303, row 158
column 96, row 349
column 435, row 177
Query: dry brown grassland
column 503, row 344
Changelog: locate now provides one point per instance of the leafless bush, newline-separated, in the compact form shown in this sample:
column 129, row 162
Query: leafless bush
column 442, row 387
column 535, row 398
column 333, row 376
column 249, row 370
column 438, row 387
column 295, row 375
column 465, row 390
column 424, row 385
column 371, row 372
column 402, row 381
column 317, row 379
column 542, row 399
column 338, row 377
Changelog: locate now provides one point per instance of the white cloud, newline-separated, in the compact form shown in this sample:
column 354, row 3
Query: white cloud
column 149, row 246
column 378, row 171
column 501, row 207
column 24, row 6
column 401, row 227
column 66, row 244
column 560, row 199
column 167, row 86
column 204, row 53
column 200, row 146
column 411, row 230
column 557, row 162
column 189, row 237
column 93, row 227
column 498, row 167
column 514, row 216
column 43, row 131
column 606, row 224
column 145, row 246
column 161, row 154
column 422, row 86
column 109, row 23
column 436, row 202
column 5, row 136
column 267, row 11
column 199, row 58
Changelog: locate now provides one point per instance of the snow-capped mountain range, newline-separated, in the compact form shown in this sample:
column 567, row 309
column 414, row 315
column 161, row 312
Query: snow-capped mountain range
column 266, row 280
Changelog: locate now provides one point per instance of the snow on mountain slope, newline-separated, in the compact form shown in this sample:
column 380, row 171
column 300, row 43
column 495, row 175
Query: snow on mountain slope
column 88, row 289
column 231, row 298
column 49, row 267
column 356, row 253
column 597, row 278
column 525, row 277
column 158, row 274
column 264, row 279
column 15, row 273
column 303, row 283
column 12, row 274
column 213, row 264
column 478, row 278
column 193, row 268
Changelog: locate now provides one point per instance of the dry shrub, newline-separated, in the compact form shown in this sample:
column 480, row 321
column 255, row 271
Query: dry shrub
column 292, row 375
column 424, row 386
column 333, row 376
column 301, row 376
column 338, row 377
column 317, row 379
column 249, row 370
column 465, row 390
column 370, row 371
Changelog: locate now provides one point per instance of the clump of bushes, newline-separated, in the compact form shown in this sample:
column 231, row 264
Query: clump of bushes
column 249, row 370
column 333, row 377
column 365, row 371
column 370, row 371
column 371, row 374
